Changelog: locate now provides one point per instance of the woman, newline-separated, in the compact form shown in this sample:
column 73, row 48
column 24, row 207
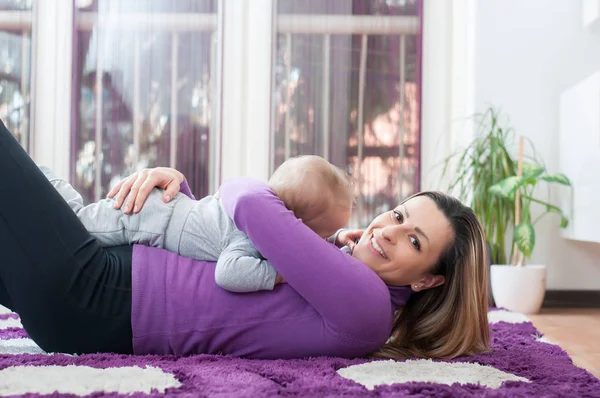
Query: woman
column 75, row 296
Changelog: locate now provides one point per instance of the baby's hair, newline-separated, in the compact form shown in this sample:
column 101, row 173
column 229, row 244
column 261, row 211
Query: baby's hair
column 310, row 184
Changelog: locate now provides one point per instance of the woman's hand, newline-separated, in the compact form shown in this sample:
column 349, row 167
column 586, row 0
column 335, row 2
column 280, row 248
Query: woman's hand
column 347, row 237
column 138, row 186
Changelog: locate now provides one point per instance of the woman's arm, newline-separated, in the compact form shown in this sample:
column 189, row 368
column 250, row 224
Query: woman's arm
column 351, row 298
column 184, row 188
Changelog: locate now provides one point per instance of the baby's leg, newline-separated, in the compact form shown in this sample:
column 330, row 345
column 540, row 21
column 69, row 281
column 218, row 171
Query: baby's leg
column 69, row 194
column 112, row 227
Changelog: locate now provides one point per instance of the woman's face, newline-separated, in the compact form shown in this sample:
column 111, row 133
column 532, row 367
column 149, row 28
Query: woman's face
column 402, row 245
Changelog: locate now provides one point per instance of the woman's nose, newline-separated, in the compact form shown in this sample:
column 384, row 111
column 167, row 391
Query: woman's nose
column 390, row 232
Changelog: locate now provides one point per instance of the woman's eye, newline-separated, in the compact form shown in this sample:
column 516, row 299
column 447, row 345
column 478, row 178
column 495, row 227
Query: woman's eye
column 398, row 216
column 415, row 242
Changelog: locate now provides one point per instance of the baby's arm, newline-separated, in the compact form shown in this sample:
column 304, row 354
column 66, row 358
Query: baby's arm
column 241, row 268
column 346, row 238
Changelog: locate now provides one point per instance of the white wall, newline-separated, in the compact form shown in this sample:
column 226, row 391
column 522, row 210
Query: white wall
column 526, row 54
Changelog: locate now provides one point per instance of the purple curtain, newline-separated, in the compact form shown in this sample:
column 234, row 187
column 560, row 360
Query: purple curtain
column 138, row 64
column 389, row 162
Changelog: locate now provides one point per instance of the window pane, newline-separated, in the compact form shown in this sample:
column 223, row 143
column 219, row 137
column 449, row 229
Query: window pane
column 138, row 82
column 353, row 97
column 15, row 74
column 199, row 6
column 15, row 5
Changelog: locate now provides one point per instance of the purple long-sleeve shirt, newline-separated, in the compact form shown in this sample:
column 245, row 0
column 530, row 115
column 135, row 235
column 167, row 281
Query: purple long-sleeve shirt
column 331, row 305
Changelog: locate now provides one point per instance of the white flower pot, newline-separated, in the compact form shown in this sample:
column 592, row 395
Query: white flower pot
column 519, row 289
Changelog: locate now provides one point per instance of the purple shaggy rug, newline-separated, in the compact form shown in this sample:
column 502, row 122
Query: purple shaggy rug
column 521, row 363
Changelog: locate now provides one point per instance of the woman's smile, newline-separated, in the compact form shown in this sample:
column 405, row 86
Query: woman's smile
column 376, row 247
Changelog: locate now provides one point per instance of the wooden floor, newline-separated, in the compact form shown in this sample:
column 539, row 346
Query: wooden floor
column 577, row 331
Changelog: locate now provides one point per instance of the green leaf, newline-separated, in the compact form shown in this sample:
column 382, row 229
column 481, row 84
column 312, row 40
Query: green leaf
column 564, row 221
column 525, row 238
column 532, row 170
column 558, row 178
column 507, row 187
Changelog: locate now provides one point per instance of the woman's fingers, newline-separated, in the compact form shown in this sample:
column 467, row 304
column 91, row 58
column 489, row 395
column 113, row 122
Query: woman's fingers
column 131, row 193
column 356, row 234
column 142, row 194
column 123, row 190
column 165, row 178
column 134, row 190
column 172, row 190
column 115, row 189
column 348, row 237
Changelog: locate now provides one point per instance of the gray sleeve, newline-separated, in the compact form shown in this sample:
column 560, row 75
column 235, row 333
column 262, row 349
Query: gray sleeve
column 241, row 268
column 112, row 227
column 69, row 194
column 333, row 238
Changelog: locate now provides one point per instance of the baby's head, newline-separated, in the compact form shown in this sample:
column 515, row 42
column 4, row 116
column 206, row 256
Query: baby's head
column 316, row 191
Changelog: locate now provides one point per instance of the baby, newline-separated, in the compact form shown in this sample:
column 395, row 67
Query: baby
column 318, row 193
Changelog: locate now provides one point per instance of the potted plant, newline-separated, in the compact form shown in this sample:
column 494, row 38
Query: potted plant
column 521, row 287
column 487, row 162
column 484, row 162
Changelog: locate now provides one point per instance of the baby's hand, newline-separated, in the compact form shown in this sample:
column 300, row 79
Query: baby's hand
column 279, row 279
column 347, row 237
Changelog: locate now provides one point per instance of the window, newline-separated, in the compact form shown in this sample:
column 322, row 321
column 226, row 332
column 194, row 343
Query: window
column 143, row 91
column 15, row 67
column 346, row 87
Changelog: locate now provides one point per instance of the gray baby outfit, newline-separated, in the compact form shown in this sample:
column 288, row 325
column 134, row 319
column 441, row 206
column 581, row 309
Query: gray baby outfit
column 197, row 229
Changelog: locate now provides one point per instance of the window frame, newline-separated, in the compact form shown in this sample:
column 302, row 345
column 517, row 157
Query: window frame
column 243, row 142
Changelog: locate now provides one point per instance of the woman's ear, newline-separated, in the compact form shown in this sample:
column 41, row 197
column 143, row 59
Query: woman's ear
column 427, row 282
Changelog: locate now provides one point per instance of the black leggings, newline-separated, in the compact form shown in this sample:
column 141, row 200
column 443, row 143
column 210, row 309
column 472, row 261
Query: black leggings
column 72, row 294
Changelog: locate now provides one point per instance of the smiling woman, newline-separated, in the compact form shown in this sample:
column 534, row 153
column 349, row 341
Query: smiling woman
column 435, row 244
column 431, row 245
column 396, row 235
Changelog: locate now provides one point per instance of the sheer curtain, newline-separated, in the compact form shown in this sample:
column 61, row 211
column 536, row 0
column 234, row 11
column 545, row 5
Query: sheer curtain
column 15, row 67
column 143, row 90
column 347, row 87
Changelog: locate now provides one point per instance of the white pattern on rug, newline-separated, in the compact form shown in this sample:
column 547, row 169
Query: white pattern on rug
column 83, row 380
column 543, row 339
column 506, row 316
column 19, row 346
column 372, row 374
column 10, row 323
